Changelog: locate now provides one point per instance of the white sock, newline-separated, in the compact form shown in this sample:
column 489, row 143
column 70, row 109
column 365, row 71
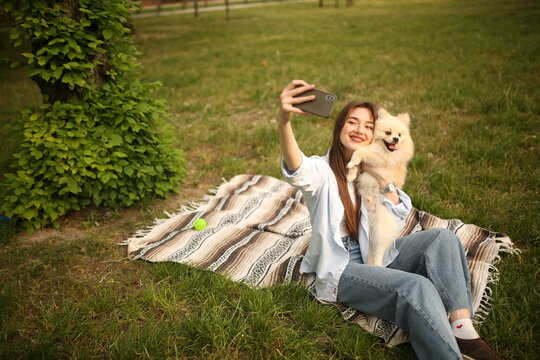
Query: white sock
column 464, row 329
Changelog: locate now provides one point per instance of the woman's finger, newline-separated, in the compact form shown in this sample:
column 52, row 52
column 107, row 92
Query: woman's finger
column 302, row 99
column 292, row 109
column 301, row 89
column 295, row 83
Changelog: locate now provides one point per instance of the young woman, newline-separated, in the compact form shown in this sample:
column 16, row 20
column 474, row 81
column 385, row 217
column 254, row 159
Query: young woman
column 424, row 284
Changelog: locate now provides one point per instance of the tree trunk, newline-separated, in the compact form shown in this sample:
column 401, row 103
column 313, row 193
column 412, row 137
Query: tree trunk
column 60, row 91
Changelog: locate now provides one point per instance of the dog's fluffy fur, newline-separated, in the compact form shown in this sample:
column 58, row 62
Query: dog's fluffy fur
column 392, row 147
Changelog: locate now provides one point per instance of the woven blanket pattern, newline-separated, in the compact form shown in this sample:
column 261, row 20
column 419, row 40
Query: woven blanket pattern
column 258, row 230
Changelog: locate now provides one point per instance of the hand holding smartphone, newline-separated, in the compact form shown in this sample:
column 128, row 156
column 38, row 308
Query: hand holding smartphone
column 321, row 106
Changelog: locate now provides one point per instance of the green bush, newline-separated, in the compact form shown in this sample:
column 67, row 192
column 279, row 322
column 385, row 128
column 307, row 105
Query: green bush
column 95, row 140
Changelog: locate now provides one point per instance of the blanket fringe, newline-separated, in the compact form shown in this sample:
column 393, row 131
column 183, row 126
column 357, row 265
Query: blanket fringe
column 485, row 303
column 506, row 246
column 190, row 207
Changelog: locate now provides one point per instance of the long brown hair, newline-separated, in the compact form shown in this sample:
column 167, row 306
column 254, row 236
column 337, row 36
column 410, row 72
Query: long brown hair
column 338, row 164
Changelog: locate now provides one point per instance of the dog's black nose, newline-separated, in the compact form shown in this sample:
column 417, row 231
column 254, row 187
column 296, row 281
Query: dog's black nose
column 396, row 140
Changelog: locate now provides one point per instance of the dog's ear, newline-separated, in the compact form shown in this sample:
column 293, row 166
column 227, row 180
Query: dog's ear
column 405, row 118
column 382, row 113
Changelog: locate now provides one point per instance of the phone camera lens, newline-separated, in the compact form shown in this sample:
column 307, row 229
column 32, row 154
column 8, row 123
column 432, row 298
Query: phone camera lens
column 330, row 97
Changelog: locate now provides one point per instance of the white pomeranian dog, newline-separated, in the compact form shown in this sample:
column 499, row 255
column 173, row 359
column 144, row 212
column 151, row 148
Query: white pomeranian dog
column 392, row 147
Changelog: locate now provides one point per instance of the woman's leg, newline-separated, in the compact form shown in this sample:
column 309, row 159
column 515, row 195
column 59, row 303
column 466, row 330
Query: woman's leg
column 409, row 300
column 437, row 254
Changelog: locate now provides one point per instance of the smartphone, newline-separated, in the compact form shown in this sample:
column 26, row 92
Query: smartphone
column 321, row 106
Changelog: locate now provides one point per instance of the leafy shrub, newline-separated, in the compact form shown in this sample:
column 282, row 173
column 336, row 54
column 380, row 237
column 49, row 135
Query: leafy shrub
column 95, row 140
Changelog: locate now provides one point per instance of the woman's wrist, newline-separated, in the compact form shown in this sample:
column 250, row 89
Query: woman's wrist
column 284, row 116
column 389, row 187
column 389, row 191
column 383, row 182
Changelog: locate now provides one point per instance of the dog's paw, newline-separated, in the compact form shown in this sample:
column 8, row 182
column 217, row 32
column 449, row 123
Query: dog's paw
column 352, row 173
column 356, row 158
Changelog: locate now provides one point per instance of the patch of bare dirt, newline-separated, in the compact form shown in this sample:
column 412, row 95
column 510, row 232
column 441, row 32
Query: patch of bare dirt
column 78, row 224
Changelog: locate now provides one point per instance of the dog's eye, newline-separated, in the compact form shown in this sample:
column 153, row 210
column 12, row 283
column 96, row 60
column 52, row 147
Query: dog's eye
column 388, row 132
column 399, row 134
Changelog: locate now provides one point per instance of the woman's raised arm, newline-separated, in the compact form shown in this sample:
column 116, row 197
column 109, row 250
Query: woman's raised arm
column 289, row 147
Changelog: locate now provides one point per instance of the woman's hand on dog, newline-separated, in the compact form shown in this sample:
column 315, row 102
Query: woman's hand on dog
column 288, row 99
column 383, row 176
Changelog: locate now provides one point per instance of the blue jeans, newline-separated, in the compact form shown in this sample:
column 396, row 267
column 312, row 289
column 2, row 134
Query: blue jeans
column 428, row 279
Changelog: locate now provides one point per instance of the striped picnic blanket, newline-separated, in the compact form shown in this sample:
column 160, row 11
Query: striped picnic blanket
column 258, row 230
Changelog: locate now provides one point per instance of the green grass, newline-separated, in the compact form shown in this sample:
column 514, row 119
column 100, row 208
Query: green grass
column 466, row 71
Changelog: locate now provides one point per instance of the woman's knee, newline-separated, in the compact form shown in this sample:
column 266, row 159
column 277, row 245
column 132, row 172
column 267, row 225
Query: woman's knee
column 445, row 238
column 442, row 233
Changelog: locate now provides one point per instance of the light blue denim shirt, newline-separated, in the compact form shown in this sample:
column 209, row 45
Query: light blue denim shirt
column 326, row 256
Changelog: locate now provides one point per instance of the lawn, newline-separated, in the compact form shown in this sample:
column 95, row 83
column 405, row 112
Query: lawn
column 466, row 71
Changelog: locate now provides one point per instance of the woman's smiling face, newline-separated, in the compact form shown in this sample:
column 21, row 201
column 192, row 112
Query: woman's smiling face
column 357, row 131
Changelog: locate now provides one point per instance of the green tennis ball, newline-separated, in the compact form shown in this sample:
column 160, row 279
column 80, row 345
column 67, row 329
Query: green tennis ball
column 199, row 224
